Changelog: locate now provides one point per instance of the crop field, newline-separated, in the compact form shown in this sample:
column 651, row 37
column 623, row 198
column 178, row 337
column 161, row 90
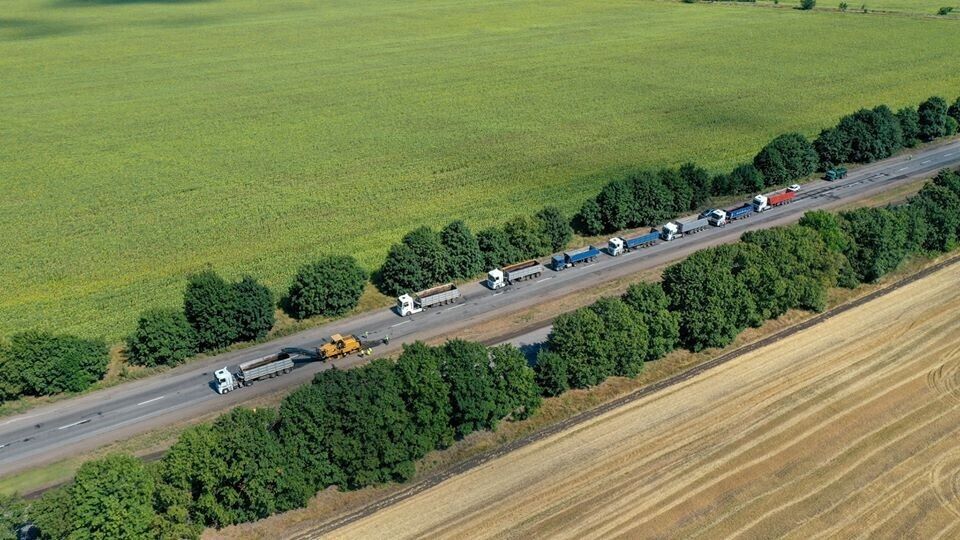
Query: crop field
column 143, row 140
column 920, row 7
column 845, row 429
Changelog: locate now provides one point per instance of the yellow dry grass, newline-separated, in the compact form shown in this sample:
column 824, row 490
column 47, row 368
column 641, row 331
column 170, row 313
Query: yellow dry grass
column 846, row 429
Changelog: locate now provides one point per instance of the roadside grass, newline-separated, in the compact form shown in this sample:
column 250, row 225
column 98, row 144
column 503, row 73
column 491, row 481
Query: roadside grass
column 160, row 137
column 918, row 7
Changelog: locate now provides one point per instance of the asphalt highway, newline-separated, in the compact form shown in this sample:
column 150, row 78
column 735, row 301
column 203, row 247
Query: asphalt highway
column 65, row 428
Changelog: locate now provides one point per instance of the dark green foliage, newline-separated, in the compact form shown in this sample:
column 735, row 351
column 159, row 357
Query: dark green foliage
column 518, row 395
column 917, row 228
column 53, row 514
column 939, row 208
column 881, row 240
column 431, row 254
column 401, row 272
column 255, row 313
column 112, row 498
column 624, row 340
column 952, row 127
column 786, row 158
column 677, row 187
column 769, row 289
column 830, row 228
column 465, row 367
column 810, row 293
column 577, row 336
column 163, row 337
column 909, row 125
column 954, row 110
column 616, row 204
column 714, row 306
column 554, row 227
column 948, row 179
column 832, row 147
column 306, row 432
column 663, row 326
column 330, row 287
column 745, row 178
column 39, row 363
column 590, row 218
column 13, row 515
column 234, row 470
column 464, row 254
column 496, row 248
column 526, row 236
column 553, row 376
column 210, row 304
column 652, row 200
column 427, row 397
column 808, row 4
column 699, row 181
column 933, row 118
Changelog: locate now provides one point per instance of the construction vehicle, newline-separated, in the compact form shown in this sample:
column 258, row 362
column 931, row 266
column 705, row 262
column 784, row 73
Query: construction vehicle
column 444, row 294
column 338, row 347
column 508, row 275
column 835, row 173
column 265, row 367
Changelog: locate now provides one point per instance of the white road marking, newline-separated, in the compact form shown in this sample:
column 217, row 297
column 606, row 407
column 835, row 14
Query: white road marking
column 150, row 400
column 74, row 424
column 399, row 323
column 948, row 155
column 4, row 445
column 901, row 169
column 925, row 162
column 455, row 307
column 544, row 279
column 496, row 293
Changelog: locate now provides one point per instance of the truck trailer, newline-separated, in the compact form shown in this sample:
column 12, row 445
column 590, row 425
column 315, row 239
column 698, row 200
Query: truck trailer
column 501, row 277
column 619, row 245
column 444, row 294
column 740, row 212
column 573, row 258
column 765, row 202
column 261, row 368
column 677, row 229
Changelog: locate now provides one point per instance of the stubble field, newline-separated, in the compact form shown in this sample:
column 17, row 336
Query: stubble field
column 143, row 140
column 847, row 429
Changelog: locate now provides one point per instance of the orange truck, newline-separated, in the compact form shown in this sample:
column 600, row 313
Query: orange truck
column 338, row 347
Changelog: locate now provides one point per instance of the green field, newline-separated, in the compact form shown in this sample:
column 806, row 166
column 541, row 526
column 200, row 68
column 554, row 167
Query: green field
column 142, row 140
column 921, row 7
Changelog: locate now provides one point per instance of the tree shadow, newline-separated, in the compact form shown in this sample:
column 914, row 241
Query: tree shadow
column 23, row 29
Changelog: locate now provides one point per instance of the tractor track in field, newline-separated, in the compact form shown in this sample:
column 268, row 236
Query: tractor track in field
column 439, row 477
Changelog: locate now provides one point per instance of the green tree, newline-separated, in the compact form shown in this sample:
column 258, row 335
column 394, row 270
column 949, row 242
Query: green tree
column 909, row 125
column 625, row 338
column 308, row 432
column 112, row 499
column 808, row 4
column 518, row 395
column 210, row 304
column 427, row 397
column 651, row 199
column 465, row 367
column 401, row 272
column 163, row 337
column 526, row 237
column 13, row 516
column 881, row 239
column 255, row 312
column 330, row 287
column 577, row 336
column 431, row 253
column 769, row 290
column 616, row 205
column 552, row 372
column 745, row 178
column 933, row 118
column 53, row 514
column 554, row 227
column 464, row 254
column 832, row 147
column 589, row 219
column 699, row 181
column 678, row 188
column 831, row 229
column 663, row 326
column 786, row 158
column 40, row 363
column 496, row 248
column 940, row 209
column 954, row 110
column 918, row 229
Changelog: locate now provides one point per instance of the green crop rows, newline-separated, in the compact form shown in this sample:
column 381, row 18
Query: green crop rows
column 144, row 140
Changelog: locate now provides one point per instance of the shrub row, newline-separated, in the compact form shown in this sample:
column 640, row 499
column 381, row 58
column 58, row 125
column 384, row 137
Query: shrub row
column 354, row 428
column 38, row 363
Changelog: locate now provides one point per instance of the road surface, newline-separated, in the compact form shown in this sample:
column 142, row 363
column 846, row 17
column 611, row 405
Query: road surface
column 65, row 428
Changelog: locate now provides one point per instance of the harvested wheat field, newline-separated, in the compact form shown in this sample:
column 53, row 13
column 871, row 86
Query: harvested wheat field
column 846, row 429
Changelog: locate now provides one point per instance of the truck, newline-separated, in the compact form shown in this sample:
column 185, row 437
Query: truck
column 739, row 212
column 619, row 245
column 261, row 368
column 444, row 294
column 338, row 347
column 716, row 217
column 835, row 173
column 501, row 277
column 677, row 229
column 765, row 202
column 573, row 258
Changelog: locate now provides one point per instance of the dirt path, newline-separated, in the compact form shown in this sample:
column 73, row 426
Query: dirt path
column 842, row 430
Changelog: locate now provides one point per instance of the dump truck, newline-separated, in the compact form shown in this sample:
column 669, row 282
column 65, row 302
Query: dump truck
column 408, row 304
column 501, row 277
column 765, row 202
column 835, row 173
column 575, row 257
column 619, row 245
column 677, row 229
column 261, row 368
column 338, row 347
column 739, row 212
column 716, row 217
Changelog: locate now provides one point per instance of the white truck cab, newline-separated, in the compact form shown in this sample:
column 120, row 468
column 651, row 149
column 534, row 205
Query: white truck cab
column 225, row 380
column 670, row 232
column 760, row 203
column 406, row 305
column 717, row 218
column 495, row 279
column 616, row 246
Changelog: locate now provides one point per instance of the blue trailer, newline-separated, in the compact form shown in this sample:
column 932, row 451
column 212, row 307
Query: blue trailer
column 620, row 245
column 572, row 258
column 740, row 212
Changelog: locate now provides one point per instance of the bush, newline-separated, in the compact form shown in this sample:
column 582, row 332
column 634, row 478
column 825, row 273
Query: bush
column 623, row 343
column 786, row 158
column 552, row 372
column 954, row 110
column 909, row 125
column 554, row 227
column 945, row 10
column 210, row 305
column 577, row 336
column 496, row 248
column 427, row 397
column 112, row 497
column 39, row 363
column 590, row 218
column 880, row 240
column 808, row 4
column 419, row 261
column 330, row 286
column 526, row 236
column 254, row 311
column 163, row 337
column 464, row 254
column 933, row 118
column 745, row 178
column 652, row 305
column 518, row 395
column 465, row 367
